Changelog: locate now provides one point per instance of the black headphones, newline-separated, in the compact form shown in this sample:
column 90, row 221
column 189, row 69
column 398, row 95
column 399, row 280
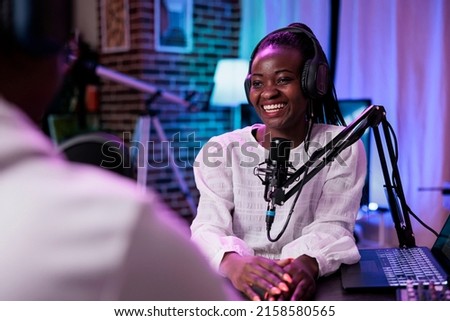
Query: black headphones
column 38, row 27
column 315, row 74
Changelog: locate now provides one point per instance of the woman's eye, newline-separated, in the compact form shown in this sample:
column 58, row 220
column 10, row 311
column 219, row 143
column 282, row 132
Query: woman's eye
column 256, row 84
column 284, row 81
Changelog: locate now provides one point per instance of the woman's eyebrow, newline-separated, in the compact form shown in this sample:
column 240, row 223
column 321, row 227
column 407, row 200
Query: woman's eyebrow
column 276, row 72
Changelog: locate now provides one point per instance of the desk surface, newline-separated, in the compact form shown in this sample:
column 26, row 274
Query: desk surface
column 330, row 289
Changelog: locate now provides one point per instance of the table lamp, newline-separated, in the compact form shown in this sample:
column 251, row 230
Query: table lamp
column 229, row 89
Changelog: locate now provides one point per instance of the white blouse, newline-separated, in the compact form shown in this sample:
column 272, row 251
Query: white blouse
column 231, row 213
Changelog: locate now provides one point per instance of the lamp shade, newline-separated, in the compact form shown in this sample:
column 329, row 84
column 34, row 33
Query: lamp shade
column 229, row 79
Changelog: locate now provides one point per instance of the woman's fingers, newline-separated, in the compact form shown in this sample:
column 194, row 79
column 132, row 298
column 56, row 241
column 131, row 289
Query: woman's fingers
column 284, row 262
column 304, row 290
column 260, row 275
column 249, row 291
column 272, row 277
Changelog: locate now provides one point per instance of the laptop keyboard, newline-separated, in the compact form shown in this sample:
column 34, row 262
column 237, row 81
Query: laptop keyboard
column 409, row 265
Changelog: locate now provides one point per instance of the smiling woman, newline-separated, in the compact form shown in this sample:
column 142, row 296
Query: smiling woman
column 289, row 88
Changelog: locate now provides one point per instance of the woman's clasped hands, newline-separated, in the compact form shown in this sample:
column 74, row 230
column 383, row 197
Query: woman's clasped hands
column 261, row 278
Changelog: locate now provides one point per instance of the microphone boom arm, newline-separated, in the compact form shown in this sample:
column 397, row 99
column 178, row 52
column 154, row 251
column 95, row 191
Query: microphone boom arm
column 348, row 136
column 371, row 117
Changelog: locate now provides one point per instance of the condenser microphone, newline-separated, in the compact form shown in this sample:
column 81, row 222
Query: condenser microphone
column 280, row 149
column 276, row 174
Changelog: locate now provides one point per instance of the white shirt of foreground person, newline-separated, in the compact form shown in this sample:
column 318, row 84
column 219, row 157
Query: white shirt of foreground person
column 73, row 232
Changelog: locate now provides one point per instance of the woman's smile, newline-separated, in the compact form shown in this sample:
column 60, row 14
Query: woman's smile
column 273, row 108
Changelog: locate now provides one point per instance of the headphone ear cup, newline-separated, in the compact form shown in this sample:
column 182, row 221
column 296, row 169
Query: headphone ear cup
column 315, row 78
column 322, row 79
column 247, row 85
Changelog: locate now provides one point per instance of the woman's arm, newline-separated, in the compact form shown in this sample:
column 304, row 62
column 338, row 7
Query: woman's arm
column 329, row 238
column 212, row 228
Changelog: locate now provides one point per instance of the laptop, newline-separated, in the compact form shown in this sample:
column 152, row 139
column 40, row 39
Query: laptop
column 399, row 267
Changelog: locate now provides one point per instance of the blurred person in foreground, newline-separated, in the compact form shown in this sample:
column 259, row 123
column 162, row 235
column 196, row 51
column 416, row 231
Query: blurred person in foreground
column 75, row 232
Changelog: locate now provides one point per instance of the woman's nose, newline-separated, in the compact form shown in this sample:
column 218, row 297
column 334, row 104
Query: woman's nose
column 269, row 91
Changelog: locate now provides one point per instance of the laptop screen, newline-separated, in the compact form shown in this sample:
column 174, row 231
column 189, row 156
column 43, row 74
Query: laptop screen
column 441, row 248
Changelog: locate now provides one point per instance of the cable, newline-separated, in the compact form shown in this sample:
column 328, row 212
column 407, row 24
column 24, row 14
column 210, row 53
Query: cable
column 291, row 211
column 394, row 137
column 420, row 221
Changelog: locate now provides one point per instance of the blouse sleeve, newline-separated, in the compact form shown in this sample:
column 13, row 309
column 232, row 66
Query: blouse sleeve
column 212, row 227
column 329, row 238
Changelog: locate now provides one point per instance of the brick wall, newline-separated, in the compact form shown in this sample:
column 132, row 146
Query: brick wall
column 215, row 35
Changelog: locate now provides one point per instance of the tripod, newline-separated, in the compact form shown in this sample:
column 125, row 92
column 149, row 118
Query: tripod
column 144, row 123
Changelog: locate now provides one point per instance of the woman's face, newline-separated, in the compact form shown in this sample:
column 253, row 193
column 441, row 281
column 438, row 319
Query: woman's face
column 275, row 90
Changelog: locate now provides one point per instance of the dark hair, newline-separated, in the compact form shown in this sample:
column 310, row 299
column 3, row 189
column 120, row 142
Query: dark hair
column 37, row 28
column 324, row 109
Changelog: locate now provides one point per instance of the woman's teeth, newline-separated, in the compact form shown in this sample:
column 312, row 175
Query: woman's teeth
column 273, row 108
